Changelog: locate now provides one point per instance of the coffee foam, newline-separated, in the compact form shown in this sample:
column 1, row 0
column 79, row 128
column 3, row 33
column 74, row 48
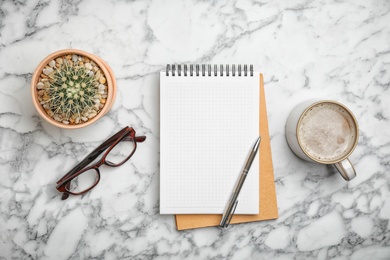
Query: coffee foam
column 327, row 132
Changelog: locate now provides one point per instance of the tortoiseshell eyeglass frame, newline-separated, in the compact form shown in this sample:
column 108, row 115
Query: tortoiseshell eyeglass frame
column 126, row 134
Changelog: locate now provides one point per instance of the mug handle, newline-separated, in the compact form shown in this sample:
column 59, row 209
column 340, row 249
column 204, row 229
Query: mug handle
column 346, row 169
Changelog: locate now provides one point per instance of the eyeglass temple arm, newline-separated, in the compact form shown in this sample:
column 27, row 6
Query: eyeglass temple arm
column 138, row 139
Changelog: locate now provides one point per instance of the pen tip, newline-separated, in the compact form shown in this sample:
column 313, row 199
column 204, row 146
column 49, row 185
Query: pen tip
column 256, row 146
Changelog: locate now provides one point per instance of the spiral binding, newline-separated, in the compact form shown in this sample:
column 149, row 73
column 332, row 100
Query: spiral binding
column 182, row 70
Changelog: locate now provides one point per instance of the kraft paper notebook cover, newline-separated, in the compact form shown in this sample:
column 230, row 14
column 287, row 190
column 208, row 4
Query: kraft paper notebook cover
column 209, row 119
column 268, row 203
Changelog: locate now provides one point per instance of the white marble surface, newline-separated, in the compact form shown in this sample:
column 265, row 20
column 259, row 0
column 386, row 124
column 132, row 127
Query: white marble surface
column 306, row 49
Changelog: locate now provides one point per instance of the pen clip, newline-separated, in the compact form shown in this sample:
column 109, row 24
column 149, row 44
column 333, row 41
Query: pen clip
column 231, row 214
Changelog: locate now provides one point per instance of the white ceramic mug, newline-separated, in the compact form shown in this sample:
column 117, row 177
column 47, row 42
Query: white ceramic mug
column 325, row 132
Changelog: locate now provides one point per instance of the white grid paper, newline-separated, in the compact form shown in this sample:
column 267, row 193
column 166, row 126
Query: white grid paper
column 207, row 126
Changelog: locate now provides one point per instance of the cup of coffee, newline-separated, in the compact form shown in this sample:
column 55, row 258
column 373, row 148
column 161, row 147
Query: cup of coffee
column 325, row 132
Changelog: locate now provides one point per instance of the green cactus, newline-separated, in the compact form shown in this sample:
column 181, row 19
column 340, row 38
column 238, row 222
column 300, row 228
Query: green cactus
column 72, row 91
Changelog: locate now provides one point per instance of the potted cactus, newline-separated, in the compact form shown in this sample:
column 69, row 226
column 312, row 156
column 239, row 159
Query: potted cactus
column 72, row 88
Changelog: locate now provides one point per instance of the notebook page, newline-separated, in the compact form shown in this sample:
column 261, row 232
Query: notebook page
column 208, row 124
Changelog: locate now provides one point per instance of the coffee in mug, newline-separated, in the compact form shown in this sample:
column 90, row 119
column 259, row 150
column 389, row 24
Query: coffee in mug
column 325, row 132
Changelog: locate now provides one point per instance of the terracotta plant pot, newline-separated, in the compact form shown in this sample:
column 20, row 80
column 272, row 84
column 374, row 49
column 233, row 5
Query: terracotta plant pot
column 108, row 74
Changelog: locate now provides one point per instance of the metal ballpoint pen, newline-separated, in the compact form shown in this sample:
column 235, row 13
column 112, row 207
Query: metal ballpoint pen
column 232, row 203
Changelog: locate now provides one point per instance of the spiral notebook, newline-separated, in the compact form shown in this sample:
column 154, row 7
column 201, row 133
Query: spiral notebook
column 209, row 119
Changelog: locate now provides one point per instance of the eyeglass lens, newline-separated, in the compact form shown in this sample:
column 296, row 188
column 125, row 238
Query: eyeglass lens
column 121, row 151
column 83, row 182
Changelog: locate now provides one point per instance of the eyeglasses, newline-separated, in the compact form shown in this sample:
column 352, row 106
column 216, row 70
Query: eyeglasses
column 81, row 179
